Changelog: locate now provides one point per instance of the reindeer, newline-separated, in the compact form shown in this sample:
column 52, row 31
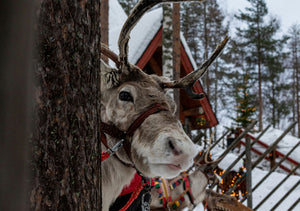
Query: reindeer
column 229, row 180
column 180, row 196
column 138, row 124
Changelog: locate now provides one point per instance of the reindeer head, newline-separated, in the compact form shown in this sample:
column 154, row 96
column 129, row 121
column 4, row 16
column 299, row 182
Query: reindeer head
column 159, row 145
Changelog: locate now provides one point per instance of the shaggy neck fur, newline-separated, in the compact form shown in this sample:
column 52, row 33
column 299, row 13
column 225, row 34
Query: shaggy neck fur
column 115, row 176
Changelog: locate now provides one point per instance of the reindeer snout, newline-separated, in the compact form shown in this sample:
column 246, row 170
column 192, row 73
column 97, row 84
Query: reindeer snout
column 172, row 144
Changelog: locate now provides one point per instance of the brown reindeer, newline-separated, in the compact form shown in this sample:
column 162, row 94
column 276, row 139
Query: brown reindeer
column 136, row 112
column 229, row 180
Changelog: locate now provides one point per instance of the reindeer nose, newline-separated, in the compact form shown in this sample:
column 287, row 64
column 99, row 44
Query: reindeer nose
column 174, row 148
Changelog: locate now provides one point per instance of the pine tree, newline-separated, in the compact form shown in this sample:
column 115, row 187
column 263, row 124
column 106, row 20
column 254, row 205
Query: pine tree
column 245, row 109
column 294, row 48
column 275, row 96
column 203, row 27
column 258, row 36
column 65, row 145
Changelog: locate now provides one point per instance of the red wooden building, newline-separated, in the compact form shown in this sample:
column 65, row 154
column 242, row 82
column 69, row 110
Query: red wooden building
column 145, row 51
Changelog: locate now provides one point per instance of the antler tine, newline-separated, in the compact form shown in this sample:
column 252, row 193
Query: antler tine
column 188, row 81
column 111, row 55
column 137, row 12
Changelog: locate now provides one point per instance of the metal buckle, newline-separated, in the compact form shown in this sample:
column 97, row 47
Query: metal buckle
column 116, row 147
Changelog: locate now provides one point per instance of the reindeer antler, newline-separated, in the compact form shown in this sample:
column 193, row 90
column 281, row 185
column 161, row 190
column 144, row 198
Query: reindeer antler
column 137, row 12
column 111, row 55
column 188, row 81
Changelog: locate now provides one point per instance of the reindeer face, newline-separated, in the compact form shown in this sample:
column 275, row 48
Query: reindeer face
column 159, row 147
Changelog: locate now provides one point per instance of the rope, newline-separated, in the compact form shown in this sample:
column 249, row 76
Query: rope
column 133, row 196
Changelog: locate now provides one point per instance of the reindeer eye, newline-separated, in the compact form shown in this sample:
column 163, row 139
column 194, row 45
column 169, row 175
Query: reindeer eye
column 125, row 96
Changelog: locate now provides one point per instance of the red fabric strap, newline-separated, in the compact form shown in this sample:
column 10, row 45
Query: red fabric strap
column 133, row 196
column 104, row 156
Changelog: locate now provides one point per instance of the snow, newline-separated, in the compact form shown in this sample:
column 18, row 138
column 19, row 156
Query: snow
column 273, row 180
column 266, row 187
column 284, row 146
column 141, row 35
column 227, row 160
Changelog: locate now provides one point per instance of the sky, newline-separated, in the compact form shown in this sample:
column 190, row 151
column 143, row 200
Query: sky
column 287, row 11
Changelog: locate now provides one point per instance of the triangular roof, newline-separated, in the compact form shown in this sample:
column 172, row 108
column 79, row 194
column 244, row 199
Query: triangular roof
column 141, row 35
column 145, row 39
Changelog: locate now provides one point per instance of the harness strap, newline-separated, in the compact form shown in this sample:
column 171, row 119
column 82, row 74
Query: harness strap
column 187, row 187
column 180, row 197
column 111, row 151
column 133, row 196
column 115, row 132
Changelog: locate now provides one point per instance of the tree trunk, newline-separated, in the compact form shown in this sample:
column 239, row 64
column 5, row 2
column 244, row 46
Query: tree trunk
column 176, row 52
column 167, row 44
column 294, row 102
column 65, row 145
column 104, row 25
column 206, row 48
column 297, row 91
column 259, row 63
column 15, row 101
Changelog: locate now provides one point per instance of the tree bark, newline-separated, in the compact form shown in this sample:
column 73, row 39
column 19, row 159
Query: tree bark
column 176, row 52
column 104, row 24
column 297, row 91
column 167, row 44
column 65, row 145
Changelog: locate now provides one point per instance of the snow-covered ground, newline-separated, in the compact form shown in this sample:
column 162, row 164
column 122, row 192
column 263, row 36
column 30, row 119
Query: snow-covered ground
column 265, row 188
column 285, row 145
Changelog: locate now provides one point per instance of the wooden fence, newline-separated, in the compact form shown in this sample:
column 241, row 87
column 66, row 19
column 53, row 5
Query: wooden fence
column 249, row 142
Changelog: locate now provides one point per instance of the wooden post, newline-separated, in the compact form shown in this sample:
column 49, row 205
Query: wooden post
column 272, row 158
column 243, row 153
column 248, row 173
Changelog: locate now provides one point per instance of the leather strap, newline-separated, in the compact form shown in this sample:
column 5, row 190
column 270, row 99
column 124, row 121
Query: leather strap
column 115, row 132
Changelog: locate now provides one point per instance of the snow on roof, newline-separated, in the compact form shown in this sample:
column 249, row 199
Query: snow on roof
column 141, row 35
column 284, row 146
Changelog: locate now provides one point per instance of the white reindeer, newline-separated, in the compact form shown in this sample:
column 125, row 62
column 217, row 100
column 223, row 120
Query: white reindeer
column 136, row 112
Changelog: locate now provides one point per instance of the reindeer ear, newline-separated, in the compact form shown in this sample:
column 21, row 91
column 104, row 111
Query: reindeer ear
column 110, row 77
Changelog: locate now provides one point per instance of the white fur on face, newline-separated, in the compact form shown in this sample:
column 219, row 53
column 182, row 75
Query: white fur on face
column 159, row 157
